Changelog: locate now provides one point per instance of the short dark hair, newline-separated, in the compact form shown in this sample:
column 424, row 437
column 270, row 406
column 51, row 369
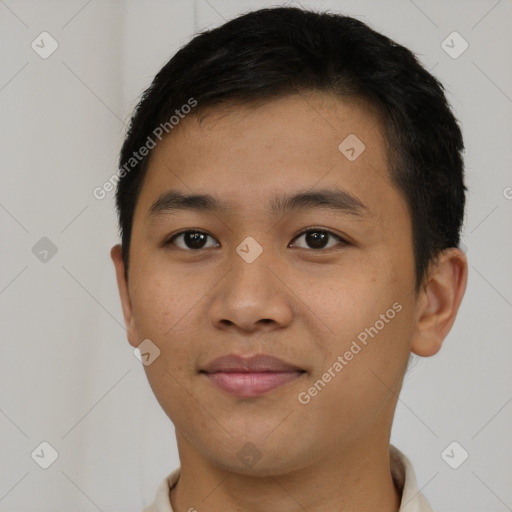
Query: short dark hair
column 275, row 52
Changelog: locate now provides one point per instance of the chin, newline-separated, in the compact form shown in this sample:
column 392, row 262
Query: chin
column 258, row 457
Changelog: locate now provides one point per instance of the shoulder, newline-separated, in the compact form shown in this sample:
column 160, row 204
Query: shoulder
column 404, row 478
column 162, row 501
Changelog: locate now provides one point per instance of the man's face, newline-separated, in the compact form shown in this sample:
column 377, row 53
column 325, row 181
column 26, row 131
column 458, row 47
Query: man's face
column 325, row 277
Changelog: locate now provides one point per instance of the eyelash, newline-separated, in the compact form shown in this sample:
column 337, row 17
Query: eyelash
column 171, row 240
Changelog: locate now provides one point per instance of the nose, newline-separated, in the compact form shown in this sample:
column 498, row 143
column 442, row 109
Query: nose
column 252, row 296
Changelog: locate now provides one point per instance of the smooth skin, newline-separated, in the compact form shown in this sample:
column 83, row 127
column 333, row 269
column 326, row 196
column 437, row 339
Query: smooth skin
column 299, row 301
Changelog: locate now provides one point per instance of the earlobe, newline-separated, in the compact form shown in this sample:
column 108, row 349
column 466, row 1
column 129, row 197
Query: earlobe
column 116, row 255
column 439, row 301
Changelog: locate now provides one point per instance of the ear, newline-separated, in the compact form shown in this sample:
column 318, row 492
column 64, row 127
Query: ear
column 438, row 301
column 131, row 331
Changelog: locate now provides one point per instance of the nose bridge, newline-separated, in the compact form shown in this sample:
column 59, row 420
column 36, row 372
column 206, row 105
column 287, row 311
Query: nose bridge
column 251, row 276
column 251, row 292
column 252, row 269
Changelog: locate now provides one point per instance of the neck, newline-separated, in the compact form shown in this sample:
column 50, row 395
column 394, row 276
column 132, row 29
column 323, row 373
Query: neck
column 355, row 478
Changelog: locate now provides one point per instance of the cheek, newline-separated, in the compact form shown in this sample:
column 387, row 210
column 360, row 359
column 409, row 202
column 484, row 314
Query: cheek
column 163, row 308
column 163, row 299
column 350, row 295
column 168, row 309
column 153, row 307
column 367, row 304
column 368, row 377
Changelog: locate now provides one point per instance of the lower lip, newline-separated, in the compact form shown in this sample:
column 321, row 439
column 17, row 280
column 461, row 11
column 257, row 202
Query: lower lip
column 250, row 384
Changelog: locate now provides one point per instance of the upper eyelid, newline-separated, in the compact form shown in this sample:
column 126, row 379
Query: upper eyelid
column 172, row 237
column 323, row 230
column 342, row 239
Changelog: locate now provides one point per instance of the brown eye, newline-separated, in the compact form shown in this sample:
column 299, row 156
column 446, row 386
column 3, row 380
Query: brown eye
column 318, row 239
column 191, row 240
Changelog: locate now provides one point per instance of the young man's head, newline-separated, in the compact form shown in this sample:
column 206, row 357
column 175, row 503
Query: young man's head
column 296, row 191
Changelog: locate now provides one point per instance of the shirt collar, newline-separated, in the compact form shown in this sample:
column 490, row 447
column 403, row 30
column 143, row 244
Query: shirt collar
column 401, row 469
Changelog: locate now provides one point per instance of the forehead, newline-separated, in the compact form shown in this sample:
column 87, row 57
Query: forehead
column 248, row 155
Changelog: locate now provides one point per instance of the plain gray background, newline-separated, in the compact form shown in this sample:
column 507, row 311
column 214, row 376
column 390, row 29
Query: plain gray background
column 67, row 374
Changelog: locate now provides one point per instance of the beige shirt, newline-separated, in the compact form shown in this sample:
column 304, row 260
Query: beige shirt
column 401, row 469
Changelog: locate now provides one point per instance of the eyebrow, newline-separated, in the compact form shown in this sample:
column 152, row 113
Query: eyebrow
column 332, row 199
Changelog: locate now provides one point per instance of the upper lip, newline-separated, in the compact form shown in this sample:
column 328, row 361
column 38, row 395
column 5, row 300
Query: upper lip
column 256, row 363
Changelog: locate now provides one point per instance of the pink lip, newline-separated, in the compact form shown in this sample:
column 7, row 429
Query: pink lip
column 252, row 376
